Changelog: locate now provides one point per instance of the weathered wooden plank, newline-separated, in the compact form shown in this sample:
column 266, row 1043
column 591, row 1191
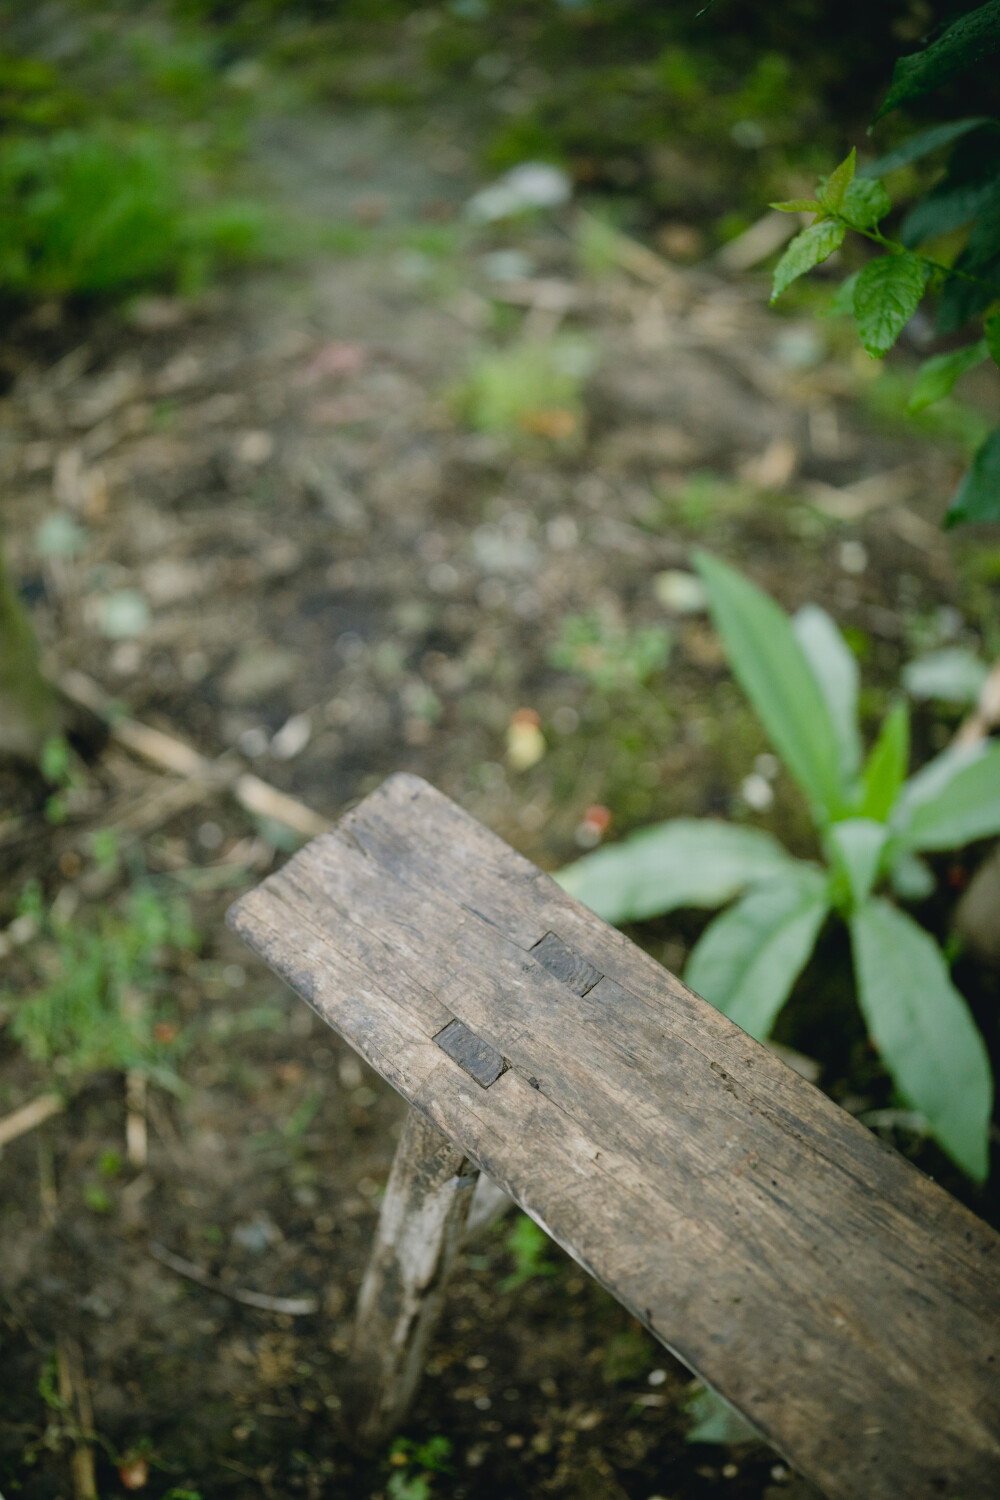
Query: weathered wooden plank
column 840, row 1300
column 421, row 1225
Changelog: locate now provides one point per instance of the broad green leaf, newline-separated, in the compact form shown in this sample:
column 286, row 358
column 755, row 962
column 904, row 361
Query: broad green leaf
column 922, row 1027
column 808, row 249
column 835, row 668
column 885, row 771
column 991, row 329
column 865, row 202
column 715, row 1421
column 886, row 296
column 922, row 144
column 978, row 496
column 799, row 206
column 747, row 960
column 842, row 303
column 952, row 675
column 971, row 39
column 856, row 846
column 912, row 879
column 685, row 862
column 937, row 375
column 957, row 809
column 773, row 670
column 839, row 181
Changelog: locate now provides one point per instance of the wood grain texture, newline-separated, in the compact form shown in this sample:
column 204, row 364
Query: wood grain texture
column 421, row 1226
column 840, row 1300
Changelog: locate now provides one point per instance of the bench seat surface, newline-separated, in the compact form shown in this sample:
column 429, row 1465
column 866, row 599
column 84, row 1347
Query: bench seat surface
column 847, row 1306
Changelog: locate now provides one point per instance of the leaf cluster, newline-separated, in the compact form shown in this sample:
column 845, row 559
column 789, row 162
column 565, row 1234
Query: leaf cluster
column 964, row 201
column 873, row 823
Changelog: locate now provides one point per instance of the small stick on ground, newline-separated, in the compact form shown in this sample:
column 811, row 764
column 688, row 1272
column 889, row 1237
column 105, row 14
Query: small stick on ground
column 29, row 1115
column 75, row 1396
column 295, row 1307
column 136, row 1137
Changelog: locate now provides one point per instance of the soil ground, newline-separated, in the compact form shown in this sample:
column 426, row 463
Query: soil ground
column 331, row 578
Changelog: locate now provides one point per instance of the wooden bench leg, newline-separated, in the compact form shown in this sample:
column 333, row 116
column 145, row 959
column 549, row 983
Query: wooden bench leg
column 424, row 1212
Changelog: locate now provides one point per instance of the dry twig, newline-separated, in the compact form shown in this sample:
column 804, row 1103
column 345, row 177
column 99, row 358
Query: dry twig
column 295, row 1307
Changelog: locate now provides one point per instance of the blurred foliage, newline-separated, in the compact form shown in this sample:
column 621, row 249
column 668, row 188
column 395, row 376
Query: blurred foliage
column 102, row 988
column 119, row 121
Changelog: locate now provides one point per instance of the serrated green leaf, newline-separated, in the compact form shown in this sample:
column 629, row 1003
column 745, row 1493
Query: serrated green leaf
column 978, row 496
column 855, row 846
column 937, row 375
column 842, row 302
column 808, row 249
column 970, row 40
column 799, row 206
column 747, row 960
column 865, row 202
column 886, row 296
column 885, row 771
column 922, row 144
column 773, row 670
column 835, row 668
column 991, row 331
column 953, row 801
column 839, row 181
column 923, row 1030
column 685, row 862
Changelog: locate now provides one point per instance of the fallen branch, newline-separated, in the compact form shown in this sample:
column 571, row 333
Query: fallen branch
column 294, row 1307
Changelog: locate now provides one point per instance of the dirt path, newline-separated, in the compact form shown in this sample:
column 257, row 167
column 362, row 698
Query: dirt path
column 264, row 529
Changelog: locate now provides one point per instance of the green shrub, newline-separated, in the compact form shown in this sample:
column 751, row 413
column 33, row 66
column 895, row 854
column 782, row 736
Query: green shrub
column 872, row 825
column 964, row 272
column 86, row 211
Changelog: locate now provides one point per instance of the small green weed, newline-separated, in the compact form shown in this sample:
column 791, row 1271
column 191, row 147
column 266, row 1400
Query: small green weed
column 530, row 388
column 606, row 654
column 101, row 1004
column 529, row 1247
column 416, row 1464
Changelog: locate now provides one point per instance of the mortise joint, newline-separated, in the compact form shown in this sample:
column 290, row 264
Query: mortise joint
column 553, row 954
column 478, row 1058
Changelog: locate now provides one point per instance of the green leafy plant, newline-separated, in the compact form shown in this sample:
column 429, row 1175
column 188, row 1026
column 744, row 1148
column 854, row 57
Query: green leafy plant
column 886, row 292
column 100, row 1004
column 416, row 1465
column 872, row 825
column 88, row 212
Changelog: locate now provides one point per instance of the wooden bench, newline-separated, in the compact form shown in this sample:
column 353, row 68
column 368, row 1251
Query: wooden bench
column 843, row 1303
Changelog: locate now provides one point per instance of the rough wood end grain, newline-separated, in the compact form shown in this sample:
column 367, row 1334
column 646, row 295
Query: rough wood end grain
column 840, row 1300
